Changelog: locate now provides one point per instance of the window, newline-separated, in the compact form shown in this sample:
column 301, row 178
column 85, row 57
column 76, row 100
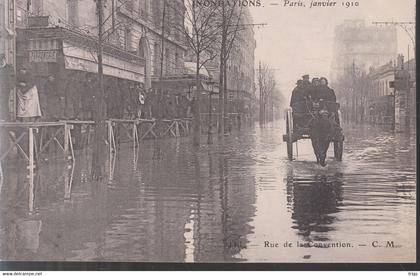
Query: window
column 73, row 12
column 167, row 61
column 156, row 58
column 37, row 7
column 2, row 13
column 128, row 40
column 176, row 62
column 169, row 19
column 157, row 12
column 144, row 9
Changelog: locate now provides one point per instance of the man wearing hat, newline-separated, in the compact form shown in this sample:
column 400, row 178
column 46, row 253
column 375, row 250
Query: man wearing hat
column 298, row 94
column 314, row 92
column 298, row 100
column 6, row 85
column 29, row 109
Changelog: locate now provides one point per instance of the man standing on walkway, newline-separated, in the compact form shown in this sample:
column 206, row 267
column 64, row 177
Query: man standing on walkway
column 29, row 109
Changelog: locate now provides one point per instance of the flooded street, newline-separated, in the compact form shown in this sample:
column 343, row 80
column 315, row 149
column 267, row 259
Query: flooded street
column 237, row 200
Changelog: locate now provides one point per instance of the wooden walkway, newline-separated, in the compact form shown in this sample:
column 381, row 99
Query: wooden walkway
column 31, row 139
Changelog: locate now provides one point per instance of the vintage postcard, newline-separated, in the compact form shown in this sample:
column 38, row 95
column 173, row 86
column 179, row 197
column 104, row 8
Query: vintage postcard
column 208, row 131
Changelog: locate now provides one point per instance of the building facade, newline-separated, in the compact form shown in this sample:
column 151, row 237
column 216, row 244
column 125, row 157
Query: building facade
column 378, row 98
column 140, row 42
column 153, row 28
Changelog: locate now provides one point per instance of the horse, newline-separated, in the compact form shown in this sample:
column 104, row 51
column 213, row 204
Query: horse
column 324, row 128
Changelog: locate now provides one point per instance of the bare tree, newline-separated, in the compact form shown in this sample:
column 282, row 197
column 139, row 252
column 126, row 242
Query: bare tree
column 267, row 87
column 200, row 33
column 98, row 155
column 228, row 19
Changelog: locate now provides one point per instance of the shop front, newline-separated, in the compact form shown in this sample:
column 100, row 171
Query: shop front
column 63, row 66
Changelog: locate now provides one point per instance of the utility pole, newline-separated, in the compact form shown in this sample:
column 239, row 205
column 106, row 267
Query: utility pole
column 11, row 47
column 408, row 100
column 100, row 59
column 98, row 112
column 162, row 40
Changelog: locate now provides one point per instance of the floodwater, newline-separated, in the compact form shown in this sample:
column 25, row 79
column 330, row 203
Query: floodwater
column 239, row 200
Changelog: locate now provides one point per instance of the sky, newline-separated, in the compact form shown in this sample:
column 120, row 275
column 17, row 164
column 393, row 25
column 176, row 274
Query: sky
column 298, row 40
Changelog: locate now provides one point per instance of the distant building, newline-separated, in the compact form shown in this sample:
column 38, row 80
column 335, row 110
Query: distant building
column 361, row 45
column 379, row 98
column 357, row 48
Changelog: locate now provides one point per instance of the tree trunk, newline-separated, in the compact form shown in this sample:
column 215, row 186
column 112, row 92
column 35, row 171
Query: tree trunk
column 196, row 106
column 221, row 93
column 225, row 101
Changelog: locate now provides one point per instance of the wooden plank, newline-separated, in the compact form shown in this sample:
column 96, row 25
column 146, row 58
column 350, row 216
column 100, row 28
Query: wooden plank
column 29, row 125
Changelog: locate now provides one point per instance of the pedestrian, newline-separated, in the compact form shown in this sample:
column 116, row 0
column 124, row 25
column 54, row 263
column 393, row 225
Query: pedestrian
column 124, row 88
column 154, row 102
column 148, row 104
column 88, row 98
column 160, row 105
column 132, row 100
column 51, row 109
column 140, row 101
column 178, row 107
column 29, row 109
column 190, row 103
column 6, row 86
column 72, row 96
column 184, row 105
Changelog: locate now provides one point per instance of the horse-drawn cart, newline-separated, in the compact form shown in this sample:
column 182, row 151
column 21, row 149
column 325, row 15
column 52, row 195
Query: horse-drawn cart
column 319, row 122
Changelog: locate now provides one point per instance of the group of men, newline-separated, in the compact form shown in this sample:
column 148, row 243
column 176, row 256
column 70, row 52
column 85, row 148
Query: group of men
column 314, row 91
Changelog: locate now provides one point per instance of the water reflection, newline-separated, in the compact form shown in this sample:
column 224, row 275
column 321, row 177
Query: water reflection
column 168, row 201
column 315, row 200
column 23, row 198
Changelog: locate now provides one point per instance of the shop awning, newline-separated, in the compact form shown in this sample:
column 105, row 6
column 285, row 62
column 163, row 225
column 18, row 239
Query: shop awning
column 84, row 59
column 184, row 83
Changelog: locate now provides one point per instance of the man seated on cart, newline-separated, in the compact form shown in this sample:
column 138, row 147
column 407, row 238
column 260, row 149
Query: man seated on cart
column 327, row 95
column 299, row 101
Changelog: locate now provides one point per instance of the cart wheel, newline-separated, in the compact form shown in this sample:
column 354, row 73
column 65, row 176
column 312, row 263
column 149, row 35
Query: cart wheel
column 338, row 150
column 289, row 136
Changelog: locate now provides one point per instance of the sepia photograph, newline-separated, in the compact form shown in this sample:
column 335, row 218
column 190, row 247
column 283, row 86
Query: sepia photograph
column 208, row 131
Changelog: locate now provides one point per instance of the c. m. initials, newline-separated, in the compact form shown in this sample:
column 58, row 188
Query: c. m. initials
column 387, row 244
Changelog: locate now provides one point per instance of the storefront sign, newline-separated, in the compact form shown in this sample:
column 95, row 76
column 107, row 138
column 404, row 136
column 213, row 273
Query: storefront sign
column 43, row 56
column 81, row 59
column 38, row 21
